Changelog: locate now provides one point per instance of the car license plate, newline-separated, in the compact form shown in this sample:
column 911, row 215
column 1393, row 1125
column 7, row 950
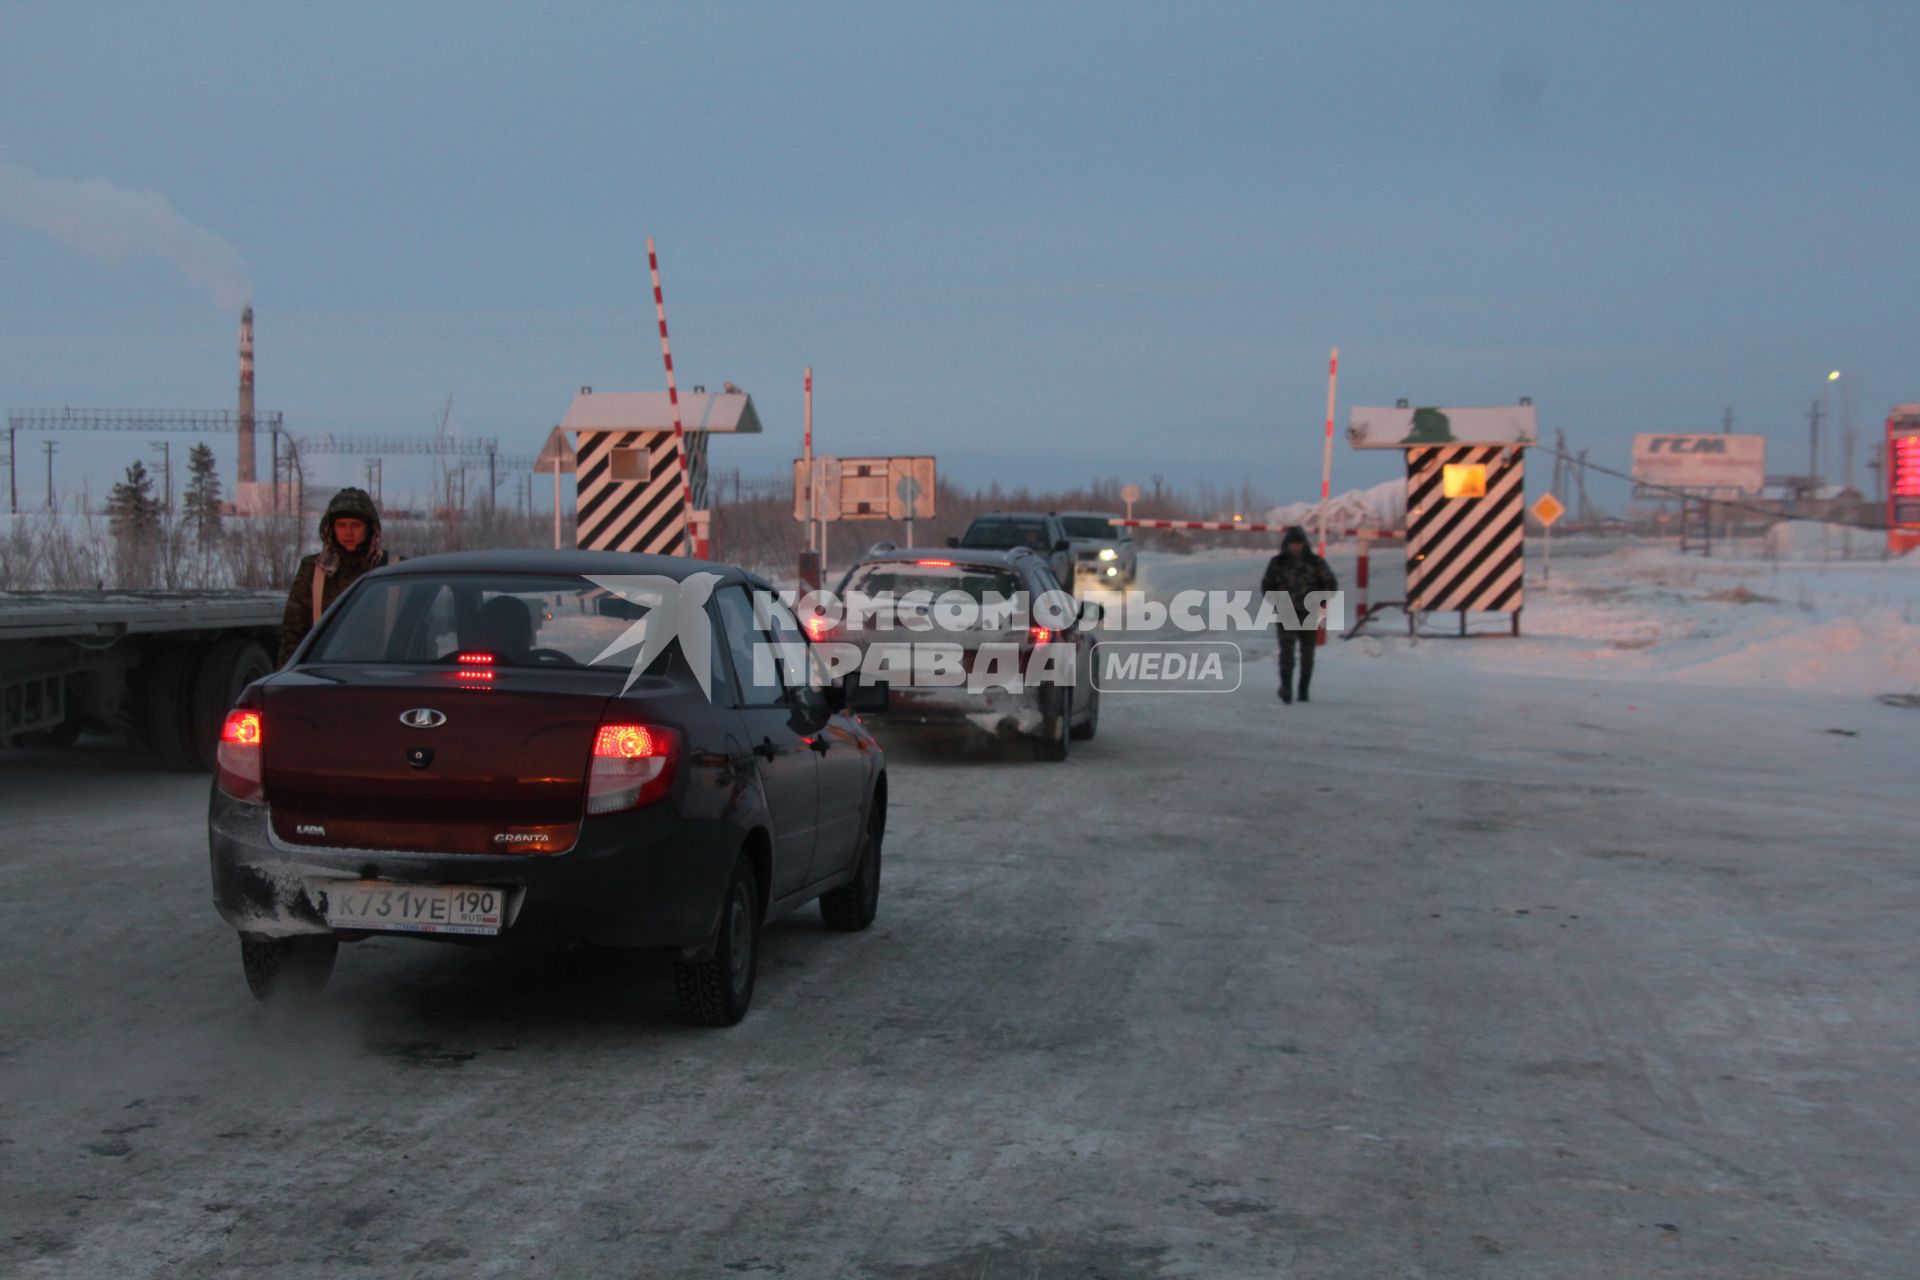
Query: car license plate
column 409, row 908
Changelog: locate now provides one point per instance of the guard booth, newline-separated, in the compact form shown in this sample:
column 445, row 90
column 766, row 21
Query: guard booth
column 626, row 466
column 1466, row 503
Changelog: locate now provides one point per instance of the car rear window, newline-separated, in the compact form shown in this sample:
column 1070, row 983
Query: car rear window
column 1089, row 527
column 1000, row 535
column 977, row 582
column 517, row 620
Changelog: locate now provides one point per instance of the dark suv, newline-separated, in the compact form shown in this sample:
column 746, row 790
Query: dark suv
column 1044, row 534
column 1102, row 550
column 935, row 614
column 569, row 746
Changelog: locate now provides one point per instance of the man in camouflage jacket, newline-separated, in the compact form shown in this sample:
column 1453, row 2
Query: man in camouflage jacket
column 1294, row 573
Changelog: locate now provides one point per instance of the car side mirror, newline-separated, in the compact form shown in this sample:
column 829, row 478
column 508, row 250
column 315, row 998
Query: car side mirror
column 1063, row 545
column 863, row 695
column 953, row 540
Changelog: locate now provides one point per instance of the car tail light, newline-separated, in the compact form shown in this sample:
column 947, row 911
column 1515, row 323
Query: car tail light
column 237, row 761
column 1038, row 635
column 818, row 627
column 632, row 766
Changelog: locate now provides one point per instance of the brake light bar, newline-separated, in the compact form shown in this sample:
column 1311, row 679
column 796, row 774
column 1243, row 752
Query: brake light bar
column 935, row 564
column 476, row 659
column 632, row 766
column 237, row 769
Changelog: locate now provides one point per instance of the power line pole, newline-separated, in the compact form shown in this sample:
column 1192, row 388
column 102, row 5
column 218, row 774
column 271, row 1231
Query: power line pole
column 1726, row 422
column 48, row 445
column 13, row 468
column 166, row 473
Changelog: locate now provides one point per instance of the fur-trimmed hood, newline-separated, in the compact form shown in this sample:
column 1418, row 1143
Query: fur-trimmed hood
column 357, row 503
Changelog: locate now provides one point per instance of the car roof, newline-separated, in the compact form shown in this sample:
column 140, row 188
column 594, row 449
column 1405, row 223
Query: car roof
column 1092, row 515
column 1013, row 515
column 605, row 563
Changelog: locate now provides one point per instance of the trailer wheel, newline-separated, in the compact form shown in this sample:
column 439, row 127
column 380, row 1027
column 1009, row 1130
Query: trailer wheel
column 229, row 665
column 169, row 708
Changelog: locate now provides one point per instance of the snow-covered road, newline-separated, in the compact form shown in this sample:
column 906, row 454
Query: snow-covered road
column 1500, row 958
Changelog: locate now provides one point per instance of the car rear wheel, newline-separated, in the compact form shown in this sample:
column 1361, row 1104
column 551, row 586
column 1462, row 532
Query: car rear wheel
column 715, row 992
column 1084, row 732
column 852, row 906
column 288, row 968
column 1055, row 731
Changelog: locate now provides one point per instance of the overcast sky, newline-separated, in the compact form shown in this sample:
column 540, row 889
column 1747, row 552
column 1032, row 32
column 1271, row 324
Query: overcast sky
column 1042, row 241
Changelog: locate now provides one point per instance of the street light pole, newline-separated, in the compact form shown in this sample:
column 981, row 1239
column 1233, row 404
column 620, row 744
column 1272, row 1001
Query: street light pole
column 1846, row 428
column 1813, row 445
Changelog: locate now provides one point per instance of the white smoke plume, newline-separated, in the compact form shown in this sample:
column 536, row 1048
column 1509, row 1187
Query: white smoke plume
column 108, row 222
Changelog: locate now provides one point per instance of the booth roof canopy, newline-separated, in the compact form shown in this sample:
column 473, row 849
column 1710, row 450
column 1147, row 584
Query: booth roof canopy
column 1406, row 428
column 729, row 411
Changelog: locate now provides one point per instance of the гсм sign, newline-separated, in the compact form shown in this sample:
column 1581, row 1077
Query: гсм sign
column 1702, row 461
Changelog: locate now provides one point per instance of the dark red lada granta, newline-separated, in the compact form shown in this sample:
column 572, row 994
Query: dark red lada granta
column 616, row 750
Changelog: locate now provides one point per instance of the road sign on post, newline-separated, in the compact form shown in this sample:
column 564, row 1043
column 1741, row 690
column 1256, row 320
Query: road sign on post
column 908, row 492
column 1130, row 494
column 868, row 488
column 1546, row 511
column 556, row 456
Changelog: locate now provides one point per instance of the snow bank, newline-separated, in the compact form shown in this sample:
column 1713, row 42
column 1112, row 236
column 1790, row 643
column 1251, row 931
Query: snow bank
column 1843, row 628
column 1812, row 540
column 1382, row 506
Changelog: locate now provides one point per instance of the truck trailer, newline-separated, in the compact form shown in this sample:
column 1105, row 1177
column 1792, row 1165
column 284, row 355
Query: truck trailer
column 160, row 667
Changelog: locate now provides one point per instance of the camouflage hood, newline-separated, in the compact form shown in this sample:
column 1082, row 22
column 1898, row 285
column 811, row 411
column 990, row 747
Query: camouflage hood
column 357, row 503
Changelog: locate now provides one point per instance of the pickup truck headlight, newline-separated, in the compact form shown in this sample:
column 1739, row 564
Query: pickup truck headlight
column 1108, row 553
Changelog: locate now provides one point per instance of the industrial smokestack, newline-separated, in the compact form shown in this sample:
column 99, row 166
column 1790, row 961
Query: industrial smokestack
column 246, row 473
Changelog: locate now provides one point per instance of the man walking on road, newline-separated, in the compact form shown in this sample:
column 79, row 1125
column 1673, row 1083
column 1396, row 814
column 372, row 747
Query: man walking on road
column 1294, row 573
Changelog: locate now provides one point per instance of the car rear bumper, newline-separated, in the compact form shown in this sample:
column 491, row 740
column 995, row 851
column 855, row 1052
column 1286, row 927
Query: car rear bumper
column 992, row 711
column 644, row 879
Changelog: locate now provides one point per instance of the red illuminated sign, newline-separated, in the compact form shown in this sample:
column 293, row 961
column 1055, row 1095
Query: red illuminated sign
column 1906, row 466
column 1903, row 479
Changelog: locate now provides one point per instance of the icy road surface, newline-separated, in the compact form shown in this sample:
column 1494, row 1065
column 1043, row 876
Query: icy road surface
column 1470, row 968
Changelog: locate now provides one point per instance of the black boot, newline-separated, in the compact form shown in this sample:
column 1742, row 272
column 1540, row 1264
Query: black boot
column 1286, row 685
column 1304, row 682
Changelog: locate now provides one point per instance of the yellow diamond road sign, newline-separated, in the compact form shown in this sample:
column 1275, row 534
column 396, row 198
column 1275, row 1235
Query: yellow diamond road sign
column 1548, row 509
